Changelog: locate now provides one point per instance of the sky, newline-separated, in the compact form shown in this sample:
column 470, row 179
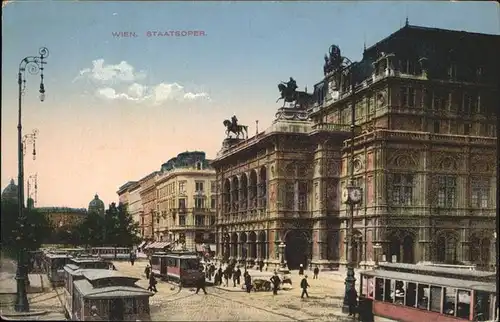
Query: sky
column 116, row 108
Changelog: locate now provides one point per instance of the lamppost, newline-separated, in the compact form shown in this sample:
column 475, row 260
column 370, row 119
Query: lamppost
column 352, row 194
column 282, row 247
column 34, row 65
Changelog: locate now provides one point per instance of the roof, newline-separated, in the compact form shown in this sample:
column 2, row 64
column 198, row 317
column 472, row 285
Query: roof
column 98, row 274
column 433, row 280
column 420, row 29
column 86, row 260
column 158, row 245
column 437, row 270
column 49, row 255
column 89, row 291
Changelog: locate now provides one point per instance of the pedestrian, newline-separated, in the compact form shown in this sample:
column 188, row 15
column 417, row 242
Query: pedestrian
column 276, row 283
column 261, row 265
column 152, row 283
column 238, row 275
column 301, row 269
column 226, row 278
column 147, row 270
column 248, row 281
column 304, row 285
column 352, row 301
column 132, row 258
column 200, row 284
column 316, row 272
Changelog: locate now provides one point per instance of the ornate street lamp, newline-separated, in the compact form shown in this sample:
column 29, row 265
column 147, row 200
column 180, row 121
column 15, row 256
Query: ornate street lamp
column 282, row 247
column 34, row 65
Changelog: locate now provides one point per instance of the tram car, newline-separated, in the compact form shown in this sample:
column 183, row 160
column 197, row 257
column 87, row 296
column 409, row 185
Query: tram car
column 112, row 253
column 74, row 271
column 106, row 295
column 54, row 266
column 409, row 292
column 181, row 267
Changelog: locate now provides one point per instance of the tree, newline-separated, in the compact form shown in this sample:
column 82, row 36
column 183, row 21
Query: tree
column 121, row 230
column 91, row 230
column 28, row 233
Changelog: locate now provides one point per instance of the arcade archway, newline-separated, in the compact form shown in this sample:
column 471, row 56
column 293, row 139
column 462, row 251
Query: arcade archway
column 296, row 250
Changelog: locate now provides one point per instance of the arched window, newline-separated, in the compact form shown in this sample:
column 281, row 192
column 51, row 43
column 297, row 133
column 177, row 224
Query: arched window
column 446, row 247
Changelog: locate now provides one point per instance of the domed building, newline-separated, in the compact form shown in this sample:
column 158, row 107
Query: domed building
column 96, row 205
column 10, row 192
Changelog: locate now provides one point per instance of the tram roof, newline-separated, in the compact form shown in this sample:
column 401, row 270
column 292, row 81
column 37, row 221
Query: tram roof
column 52, row 256
column 80, row 260
column 437, row 270
column 87, row 290
column 95, row 274
column 433, row 280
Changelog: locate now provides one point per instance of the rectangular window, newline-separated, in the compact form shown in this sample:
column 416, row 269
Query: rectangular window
column 290, row 195
column 480, row 192
column 182, row 186
column 379, row 289
column 303, row 196
column 436, row 299
column 399, row 293
column 213, row 187
column 436, row 126
column 447, row 189
column 411, row 97
column 212, row 203
column 388, row 290
column 182, row 203
column 467, row 128
column 423, row 296
column 482, row 306
column 182, row 220
column 212, row 220
column 199, row 186
column 199, row 220
column 402, row 189
column 449, row 299
column 199, row 203
column 463, row 304
column 403, row 96
column 411, row 294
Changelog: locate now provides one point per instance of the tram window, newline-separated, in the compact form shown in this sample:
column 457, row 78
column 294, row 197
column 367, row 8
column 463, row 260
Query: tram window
column 364, row 289
column 436, row 298
column 130, row 305
column 450, row 295
column 423, row 296
column 369, row 283
column 399, row 293
column 379, row 289
column 411, row 294
column 482, row 306
column 190, row 264
column 463, row 304
column 172, row 262
column 154, row 260
column 388, row 290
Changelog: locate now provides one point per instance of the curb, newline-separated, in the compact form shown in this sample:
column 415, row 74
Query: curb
column 24, row 314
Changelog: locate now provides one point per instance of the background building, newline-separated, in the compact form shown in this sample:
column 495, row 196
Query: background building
column 425, row 113
column 96, row 205
column 63, row 217
column 10, row 192
column 124, row 193
column 147, row 192
column 186, row 194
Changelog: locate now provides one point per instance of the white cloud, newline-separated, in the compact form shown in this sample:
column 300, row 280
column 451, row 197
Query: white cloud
column 125, row 73
column 122, row 72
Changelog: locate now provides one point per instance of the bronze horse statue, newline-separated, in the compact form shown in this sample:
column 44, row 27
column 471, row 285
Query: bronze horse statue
column 238, row 129
column 301, row 98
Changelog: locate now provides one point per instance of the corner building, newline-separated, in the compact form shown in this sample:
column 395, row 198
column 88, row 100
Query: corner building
column 425, row 105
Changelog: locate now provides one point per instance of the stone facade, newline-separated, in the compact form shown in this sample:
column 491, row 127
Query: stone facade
column 147, row 192
column 424, row 154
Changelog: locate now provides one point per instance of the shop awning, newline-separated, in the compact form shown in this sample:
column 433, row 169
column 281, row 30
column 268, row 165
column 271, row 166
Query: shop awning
column 158, row 245
column 141, row 244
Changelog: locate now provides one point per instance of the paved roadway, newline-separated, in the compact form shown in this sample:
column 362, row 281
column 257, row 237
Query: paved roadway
column 232, row 304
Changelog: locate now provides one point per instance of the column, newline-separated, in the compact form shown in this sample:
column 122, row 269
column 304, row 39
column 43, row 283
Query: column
column 249, row 193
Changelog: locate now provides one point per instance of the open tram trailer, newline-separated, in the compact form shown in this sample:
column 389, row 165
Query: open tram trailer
column 105, row 295
column 112, row 253
column 54, row 266
column 177, row 266
column 74, row 271
column 408, row 292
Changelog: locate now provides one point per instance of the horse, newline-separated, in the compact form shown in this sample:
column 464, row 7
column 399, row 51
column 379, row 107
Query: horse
column 301, row 98
column 238, row 129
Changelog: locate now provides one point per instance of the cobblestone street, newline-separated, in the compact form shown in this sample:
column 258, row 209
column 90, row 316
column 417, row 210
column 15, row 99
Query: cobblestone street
column 233, row 304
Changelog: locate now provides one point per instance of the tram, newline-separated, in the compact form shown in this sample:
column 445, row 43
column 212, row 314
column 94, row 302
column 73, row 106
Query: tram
column 177, row 266
column 54, row 266
column 409, row 292
column 112, row 253
column 105, row 295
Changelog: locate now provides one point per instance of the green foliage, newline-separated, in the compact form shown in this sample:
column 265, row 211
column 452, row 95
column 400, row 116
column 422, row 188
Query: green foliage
column 116, row 228
column 28, row 233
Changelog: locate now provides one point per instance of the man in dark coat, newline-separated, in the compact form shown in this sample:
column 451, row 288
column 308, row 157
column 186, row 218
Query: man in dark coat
column 237, row 275
column 248, row 281
column 276, row 283
column 304, row 285
column 200, row 284
column 261, row 265
column 147, row 271
column 352, row 301
column 316, row 272
column 132, row 258
column 152, row 283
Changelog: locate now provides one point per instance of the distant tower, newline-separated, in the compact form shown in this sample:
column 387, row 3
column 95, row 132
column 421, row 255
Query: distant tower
column 10, row 192
column 97, row 206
